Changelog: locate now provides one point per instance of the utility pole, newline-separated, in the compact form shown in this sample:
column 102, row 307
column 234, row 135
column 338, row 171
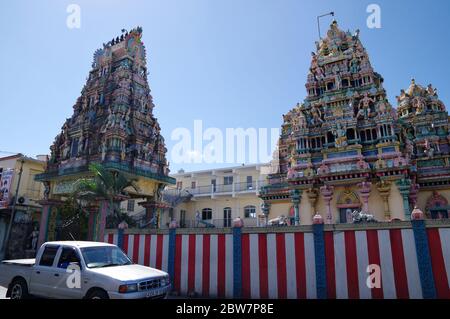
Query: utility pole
column 13, row 210
column 321, row 16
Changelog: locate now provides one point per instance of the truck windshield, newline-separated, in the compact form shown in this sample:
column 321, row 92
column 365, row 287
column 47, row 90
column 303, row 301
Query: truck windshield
column 104, row 256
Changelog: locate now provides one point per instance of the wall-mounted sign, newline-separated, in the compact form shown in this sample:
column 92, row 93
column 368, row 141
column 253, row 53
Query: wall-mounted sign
column 63, row 187
column 5, row 187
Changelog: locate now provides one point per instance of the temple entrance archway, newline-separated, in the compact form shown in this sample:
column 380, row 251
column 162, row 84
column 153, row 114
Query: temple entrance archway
column 347, row 202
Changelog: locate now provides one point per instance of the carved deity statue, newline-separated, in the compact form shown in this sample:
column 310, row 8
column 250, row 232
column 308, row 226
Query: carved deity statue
column 340, row 137
column 34, row 236
column 364, row 106
column 354, row 64
column 419, row 104
column 429, row 148
column 66, row 150
column 319, row 73
column 337, row 80
column 316, row 115
column 383, row 106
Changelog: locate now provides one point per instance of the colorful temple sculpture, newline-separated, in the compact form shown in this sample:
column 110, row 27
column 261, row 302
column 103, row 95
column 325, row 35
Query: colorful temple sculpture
column 345, row 148
column 112, row 124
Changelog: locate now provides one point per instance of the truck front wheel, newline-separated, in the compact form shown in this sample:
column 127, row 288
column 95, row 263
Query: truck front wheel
column 19, row 289
column 98, row 294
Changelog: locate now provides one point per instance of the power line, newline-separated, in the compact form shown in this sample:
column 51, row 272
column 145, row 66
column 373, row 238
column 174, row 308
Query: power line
column 7, row 152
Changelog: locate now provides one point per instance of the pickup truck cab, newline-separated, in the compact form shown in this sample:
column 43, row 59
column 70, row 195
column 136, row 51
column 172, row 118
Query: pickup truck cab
column 80, row 269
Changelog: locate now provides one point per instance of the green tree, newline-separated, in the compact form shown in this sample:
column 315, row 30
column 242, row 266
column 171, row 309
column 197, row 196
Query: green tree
column 109, row 185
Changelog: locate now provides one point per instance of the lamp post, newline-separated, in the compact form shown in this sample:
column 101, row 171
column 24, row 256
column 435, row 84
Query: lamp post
column 13, row 212
column 321, row 16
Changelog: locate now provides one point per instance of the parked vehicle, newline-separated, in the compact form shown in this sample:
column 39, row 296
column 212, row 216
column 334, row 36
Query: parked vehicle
column 79, row 269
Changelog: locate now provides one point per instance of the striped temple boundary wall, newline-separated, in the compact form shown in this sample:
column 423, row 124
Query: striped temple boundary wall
column 319, row 261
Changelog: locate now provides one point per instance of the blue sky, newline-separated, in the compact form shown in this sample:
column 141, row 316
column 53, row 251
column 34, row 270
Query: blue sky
column 229, row 63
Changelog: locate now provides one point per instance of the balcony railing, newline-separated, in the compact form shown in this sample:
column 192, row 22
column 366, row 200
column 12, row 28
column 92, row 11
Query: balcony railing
column 215, row 223
column 244, row 187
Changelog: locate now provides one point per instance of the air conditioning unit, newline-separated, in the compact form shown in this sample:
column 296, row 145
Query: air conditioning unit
column 22, row 200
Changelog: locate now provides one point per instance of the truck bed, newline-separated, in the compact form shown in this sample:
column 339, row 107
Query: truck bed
column 20, row 262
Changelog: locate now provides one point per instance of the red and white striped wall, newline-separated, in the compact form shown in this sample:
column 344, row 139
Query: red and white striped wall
column 278, row 265
column 204, row 264
column 439, row 243
column 147, row 250
column 349, row 253
column 283, row 265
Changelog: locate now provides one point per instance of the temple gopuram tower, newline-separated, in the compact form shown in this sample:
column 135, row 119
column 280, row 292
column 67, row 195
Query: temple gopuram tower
column 346, row 148
column 112, row 124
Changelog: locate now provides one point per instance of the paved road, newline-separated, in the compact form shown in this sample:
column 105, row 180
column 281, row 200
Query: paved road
column 3, row 294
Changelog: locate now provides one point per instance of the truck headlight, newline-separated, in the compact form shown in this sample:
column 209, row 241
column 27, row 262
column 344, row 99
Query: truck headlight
column 128, row 288
column 165, row 281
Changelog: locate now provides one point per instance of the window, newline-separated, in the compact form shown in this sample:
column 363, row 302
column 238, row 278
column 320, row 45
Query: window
column 227, row 217
column 249, row 182
column 48, row 256
column 345, row 83
column 350, row 134
column 206, row 213
column 130, row 205
column 228, row 180
column 193, row 185
column 213, row 183
column 68, row 256
column 104, row 256
column 179, row 185
column 182, row 218
column 330, row 137
column 250, row 212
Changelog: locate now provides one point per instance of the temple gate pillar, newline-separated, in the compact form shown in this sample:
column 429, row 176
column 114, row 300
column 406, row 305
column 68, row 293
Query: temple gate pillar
column 384, row 188
column 296, row 195
column 49, row 208
column 327, row 193
column 312, row 194
column 99, row 235
column 404, row 186
column 364, row 192
column 92, row 222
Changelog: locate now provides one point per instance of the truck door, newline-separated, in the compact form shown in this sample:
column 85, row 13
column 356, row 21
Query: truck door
column 68, row 267
column 42, row 278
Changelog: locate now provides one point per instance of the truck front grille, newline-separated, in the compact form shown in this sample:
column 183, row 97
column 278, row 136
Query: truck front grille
column 149, row 284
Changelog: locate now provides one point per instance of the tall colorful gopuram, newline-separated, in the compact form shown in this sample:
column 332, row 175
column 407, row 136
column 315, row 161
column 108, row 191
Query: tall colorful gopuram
column 112, row 124
column 346, row 148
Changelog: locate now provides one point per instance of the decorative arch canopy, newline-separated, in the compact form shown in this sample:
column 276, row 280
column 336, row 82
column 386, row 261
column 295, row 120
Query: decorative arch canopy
column 348, row 199
column 436, row 200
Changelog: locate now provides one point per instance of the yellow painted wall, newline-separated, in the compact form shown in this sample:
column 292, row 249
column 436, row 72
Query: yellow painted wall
column 28, row 188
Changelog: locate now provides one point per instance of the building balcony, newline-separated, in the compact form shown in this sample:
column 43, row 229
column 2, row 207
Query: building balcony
column 215, row 223
column 233, row 189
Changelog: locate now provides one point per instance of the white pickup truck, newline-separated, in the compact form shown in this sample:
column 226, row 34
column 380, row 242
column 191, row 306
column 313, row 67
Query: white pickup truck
column 80, row 269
